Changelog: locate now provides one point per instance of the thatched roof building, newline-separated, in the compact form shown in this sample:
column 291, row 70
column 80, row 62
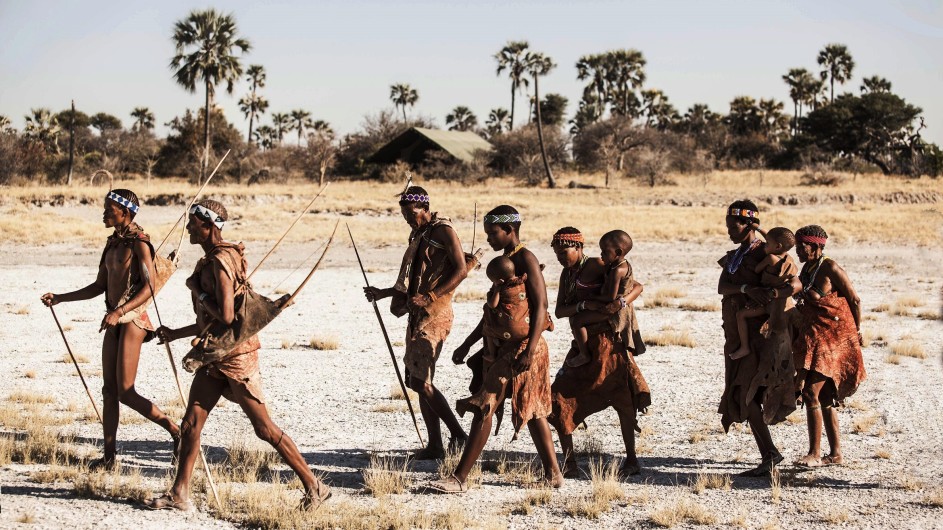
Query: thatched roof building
column 412, row 145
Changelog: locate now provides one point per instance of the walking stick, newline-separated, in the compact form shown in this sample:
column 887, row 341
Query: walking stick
column 190, row 204
column 77, row 369
column 386, row 337
column 183, row 400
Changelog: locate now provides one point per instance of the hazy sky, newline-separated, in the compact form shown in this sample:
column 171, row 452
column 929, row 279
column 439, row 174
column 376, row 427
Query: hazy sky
column 337, row 59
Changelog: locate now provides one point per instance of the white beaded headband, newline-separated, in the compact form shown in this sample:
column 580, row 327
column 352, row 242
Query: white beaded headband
column 205, row 213
column 496, row 219
column 122, row 201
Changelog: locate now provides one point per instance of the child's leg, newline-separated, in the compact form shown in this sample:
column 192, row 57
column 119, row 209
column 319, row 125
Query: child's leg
column 742, row 317
column 578, row 323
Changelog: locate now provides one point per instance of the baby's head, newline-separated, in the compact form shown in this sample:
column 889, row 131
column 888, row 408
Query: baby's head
column 779, row 240
column 614, row 246
column 500, row 269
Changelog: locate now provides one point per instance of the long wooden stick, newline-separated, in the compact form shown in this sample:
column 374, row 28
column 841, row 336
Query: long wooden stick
column 313, row 269
column 77, row 369
column 189, row 205
column 292, row 225
column 386, row 337
column 474, row 228
column 279, row 284
column 183, row 400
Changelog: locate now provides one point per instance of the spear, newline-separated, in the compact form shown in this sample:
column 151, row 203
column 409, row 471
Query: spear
column 189, row 205
column 386, row 337
column 77, row 369
column 173, row 367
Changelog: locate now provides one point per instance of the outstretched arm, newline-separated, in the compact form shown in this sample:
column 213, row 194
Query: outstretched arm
column 458, row 357
column 85, row 293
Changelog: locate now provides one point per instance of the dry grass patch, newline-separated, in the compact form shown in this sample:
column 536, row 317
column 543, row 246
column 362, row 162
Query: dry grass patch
column 892, row 359
column 393, row 406
column 865, row 423
column 928, row 315
column 711, row 481
column 386, row 475
column 324, row 342
column 934, row 498
column 470, row 295
column 898, row 310
column 883, row 454
column 22, row 310
column 699, row 305
column 123, row 483
column 29, row 398
column 589, row 445
column 27, row 517
column 664, row 297
column 517, row 471
column 448, row 464
column 881, row 308
column 539, row 497
column 835, row 515
column 909, row 348
column 79, row 358
column 909, row 482
column 909, row 301
column 247, row 460
column 775, row 486
column 57, row 472
column 287, row 344
column 739, row 519
column 682, row 510
column 681, row 338
column 30, row 374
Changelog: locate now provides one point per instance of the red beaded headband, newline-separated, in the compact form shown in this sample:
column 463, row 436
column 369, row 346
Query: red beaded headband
column 576, row 238
column 812, row 239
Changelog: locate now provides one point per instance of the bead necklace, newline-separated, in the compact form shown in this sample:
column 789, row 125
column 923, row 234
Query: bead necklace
column 515, row 251
column 734, row 262
column 808, row 279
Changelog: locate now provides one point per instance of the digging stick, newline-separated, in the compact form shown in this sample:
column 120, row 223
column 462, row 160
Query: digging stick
column 292, row 225
column 77, row 369
column 386, row 337
column 189, row 205
column 183, row 400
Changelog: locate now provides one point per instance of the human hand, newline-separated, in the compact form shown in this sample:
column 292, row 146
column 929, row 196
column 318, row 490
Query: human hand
column 614, row 306
column 523, row 360
column 419, row 301
column 49, row 299
column 165, row 335
column 110, row 320
column 758, row 295
column 372, row 293
column 458, row 356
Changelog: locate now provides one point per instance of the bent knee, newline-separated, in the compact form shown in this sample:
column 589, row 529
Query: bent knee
column 267, row 432
column 810, row 397
column 127, row 395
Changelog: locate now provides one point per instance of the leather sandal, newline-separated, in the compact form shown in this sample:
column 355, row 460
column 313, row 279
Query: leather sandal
column 449, row 485
column 314, row 499
column 167, row 502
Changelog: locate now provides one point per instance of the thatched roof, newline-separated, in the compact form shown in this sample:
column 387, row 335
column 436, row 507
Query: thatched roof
column 412, row 144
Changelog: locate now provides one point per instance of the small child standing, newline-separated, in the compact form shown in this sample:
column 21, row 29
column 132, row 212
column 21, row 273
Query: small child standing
column 776, row 270
column 617, row 283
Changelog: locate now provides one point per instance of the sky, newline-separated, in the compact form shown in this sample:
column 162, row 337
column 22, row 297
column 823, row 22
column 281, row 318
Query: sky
column 337, row 59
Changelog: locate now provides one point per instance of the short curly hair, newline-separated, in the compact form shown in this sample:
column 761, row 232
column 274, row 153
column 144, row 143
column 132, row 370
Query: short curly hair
column 566, row 243
column 130, row 196
column 812, row 231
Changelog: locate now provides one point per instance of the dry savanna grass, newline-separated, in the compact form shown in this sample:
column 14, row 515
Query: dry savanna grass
column 664, row 297
column 892, row 359
column 883, row 454
column 22, row 310
column 909, row 348
column 928, row 315
column 27, row 517
column 324, row 342
column 909, row 482
column 835, row 515
column 710, row 481
column 681, row 510
column 448, row 464
column 470, row 294
column 123, row 483
column 664, row 337
column 27, row 397
column 287, row 344
column 247, row 460
column 909, row 301
column 775, row 486
column 699, row 305
column 517, row 470
column 393, row 406
column 538, row 497
column 79, row 358
column 386, row 475
column 606, row 488
column 865, row 423
column 934, row 498
column 30, row 374
column 651, row 216
column 881, row 308
column 588, row 445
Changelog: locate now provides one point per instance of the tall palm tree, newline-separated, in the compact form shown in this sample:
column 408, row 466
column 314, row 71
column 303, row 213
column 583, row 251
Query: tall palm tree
column 256, row 104
column 265, row 136
column 594, row 68
column 461, row 119
column 795, row 81
column 498, row 120
column 205, row 43
column 42, row 126
column 537, row 64
column 875, row 84
column 837, row 65
column 321, row 128
column 281, row 122
column 402, row 95
column 625, row 73
column 5, row 124
column 143, row 119
column 300, row 120
column 698, row 118
column 252, row 105
column 512, row 57
column 771, row 117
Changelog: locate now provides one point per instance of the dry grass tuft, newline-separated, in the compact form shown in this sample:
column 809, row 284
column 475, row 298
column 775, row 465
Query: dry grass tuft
column 900, row 311
column 448, row 464
column 539, row 497
column 287, row 344
column 324, row 342
column 30, row 374
column 934, row 498
column 711, row 481
column 881, row 308
column 699, row 305
column 909, row 301
column 739, row 519
column 469, row 295
column 909, row 348
column 671, row 338
column 911, row 483
column 589, row 446
column 664, row 297
column 682, row 510
column 865, row 423
column 518, row 471
column 394, row 406
column 27, row 517
column 386, row 475
column 247, row 460
column 776, row 486
column 835, row 515
column 883, row 454
column 22, row 310
column 79, row 358
column 56, row 472
column 892, row 359
column 28, row 398
column 928, row 315
column 124, row 483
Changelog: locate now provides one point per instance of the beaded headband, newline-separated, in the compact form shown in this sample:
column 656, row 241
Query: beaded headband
column 567, row 238
column 502, row 218
column 205, row 213
column 812, row 239
column 122, row 201
column 413, row 197
column 742, row 212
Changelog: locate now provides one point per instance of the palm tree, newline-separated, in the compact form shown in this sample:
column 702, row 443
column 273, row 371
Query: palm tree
column 321, row 128
column 43, row 127
column 252, row 105
column 5, row 124
column 594, row 68
column 498, row 120
column 624, row 74
column 658, row 112
column 461, row 119
column 771, row 117
column 281, row 122
column 837, row 63
column 300, row 119
column 698, row 118
column 403, row 95
column 538, row 64
column 795, row 81
column 255, row 104
column 875, row 84
column 265, row 136
column 512, row 58
column 143, row 119
column 205, row 43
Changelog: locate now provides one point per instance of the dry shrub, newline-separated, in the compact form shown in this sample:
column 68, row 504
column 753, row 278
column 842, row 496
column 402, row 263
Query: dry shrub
column 681, row 510
column 909, row 348
column 324, row 342
column 386, row 475
column 934, row 498
column 79, row 358
column 538, row 497
column 699, row 305
column 711, row 481
column 247, row 460
column 671, row 338
column 883, row 454
column 123, row 483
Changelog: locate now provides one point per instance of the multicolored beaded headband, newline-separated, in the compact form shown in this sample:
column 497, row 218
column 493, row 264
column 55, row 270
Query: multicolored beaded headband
column 122, row 201
column 812, row 239
column 413, row 197
column 205, row 213
column 501, row 218
column 569, row 238
column 742, row 212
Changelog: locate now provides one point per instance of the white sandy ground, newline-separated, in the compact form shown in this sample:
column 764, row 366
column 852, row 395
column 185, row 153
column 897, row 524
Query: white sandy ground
column 323, row 399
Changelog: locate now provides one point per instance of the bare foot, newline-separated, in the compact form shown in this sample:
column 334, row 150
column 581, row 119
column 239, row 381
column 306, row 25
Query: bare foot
column 741, row 352
column 578, row 360
column 832, row 460
column 808, row 461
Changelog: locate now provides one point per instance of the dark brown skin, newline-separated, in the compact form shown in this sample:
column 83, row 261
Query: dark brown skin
column 121, row 344
column 831, row 277
column 742, row 233
column 432, row 403
column 524, row 262
column 205, row 391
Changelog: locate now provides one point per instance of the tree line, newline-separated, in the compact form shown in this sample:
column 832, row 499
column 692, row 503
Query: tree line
column 621, row 126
